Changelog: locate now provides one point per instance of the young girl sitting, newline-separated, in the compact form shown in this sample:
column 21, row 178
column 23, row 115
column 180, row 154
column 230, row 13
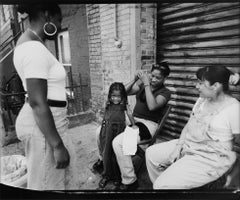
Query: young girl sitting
column 113, row 123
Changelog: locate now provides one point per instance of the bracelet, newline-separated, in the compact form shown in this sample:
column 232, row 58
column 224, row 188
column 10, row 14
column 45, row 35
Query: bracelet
column 146, row 85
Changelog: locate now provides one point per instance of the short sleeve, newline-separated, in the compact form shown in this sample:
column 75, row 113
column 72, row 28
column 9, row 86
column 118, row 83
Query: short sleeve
column 36, row 63
column 165, row 93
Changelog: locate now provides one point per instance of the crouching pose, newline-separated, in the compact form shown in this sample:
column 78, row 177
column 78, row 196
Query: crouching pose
column 205, row 149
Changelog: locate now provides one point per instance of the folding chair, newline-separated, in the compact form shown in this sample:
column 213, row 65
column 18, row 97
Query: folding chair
column 139, row 157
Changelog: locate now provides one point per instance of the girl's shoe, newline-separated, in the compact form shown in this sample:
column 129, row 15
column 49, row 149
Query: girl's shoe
column 103, row 182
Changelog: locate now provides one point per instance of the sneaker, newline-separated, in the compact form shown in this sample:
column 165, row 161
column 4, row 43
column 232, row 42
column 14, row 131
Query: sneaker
column 98, row 166
column 132, row 186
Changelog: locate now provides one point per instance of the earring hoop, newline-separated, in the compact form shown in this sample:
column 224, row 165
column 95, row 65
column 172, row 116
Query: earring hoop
column 46, row 26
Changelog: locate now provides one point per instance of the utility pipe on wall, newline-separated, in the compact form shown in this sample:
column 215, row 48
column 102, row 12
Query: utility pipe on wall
column 118, row 43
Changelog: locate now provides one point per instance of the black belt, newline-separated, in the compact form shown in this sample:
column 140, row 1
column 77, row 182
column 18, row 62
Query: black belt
column 54, row 103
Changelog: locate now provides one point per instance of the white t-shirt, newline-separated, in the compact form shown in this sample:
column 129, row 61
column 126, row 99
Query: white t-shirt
column 226, row 122
column 33, row 60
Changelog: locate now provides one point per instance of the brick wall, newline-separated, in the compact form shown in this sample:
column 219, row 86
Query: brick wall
column 148, row 34
column 75, row 20
column 109, row 63
column 92, row 29
column 115, row 61
column 95, row 52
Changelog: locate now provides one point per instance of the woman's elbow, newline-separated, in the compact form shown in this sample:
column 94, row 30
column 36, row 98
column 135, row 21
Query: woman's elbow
column 34, row 103
column 153, row 107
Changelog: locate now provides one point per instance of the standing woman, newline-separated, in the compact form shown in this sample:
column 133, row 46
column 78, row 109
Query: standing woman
column 42, row 122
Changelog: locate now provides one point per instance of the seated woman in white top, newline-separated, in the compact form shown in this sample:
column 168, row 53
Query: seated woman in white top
column 205, row 149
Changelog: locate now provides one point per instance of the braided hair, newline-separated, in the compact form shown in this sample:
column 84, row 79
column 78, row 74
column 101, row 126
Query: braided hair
column 119, row 87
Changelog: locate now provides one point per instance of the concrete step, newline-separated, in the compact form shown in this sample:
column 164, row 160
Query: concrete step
column 81, row 118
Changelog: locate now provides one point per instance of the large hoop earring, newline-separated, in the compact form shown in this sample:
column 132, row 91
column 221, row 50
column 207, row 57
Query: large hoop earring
column 50, row 29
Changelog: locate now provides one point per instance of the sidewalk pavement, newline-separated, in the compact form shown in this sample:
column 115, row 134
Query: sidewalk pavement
column 84, row 140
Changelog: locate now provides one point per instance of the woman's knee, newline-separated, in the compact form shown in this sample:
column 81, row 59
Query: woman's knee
column 159, row 184
column 163, row 183
column 149, row 154
column 117, row 142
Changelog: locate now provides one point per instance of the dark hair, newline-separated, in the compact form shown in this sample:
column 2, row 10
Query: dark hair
column 215, row 74
column 33, row 9
column 120, row 87
column 162, row 67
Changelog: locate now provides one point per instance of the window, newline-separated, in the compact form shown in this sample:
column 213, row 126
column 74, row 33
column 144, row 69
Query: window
column 64, row 56
column 3, row 16
column 64, row 48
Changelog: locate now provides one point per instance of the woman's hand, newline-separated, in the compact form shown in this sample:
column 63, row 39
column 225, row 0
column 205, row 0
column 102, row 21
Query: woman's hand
column 136, row 77
column 61, row 156
column 234, row 79
column 143, row 76
column 37, row 91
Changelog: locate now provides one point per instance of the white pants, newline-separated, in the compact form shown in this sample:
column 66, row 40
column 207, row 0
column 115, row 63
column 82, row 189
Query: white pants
column 124, row 161
column 41, row 166
column 188, row 172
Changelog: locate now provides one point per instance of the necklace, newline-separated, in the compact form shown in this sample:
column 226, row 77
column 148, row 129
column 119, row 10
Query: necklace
column 34, row 32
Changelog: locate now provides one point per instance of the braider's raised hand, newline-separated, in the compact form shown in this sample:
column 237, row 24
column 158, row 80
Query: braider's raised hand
column 143, row 76
column 136, row 77
column 234, row 79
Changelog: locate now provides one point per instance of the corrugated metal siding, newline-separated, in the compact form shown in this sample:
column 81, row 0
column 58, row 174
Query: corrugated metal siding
column 190, row 36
